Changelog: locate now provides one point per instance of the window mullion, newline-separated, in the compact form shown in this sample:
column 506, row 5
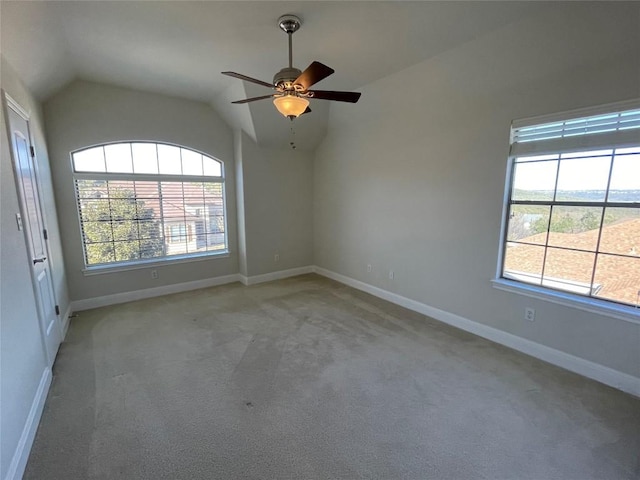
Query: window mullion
column 577, row 227
column 135, row 239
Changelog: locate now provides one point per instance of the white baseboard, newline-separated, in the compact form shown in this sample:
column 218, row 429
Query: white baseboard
column 23, row 449
column 279, row 275
column 95, row 302
column 595, row 371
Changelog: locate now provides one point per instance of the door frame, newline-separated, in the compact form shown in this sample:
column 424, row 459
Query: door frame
column 9, row 103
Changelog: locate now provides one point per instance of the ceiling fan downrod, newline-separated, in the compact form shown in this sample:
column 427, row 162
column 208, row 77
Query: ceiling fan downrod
column 289, row 24
column 284, row 79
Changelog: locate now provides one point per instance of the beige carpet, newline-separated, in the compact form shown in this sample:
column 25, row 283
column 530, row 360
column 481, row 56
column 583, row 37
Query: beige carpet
column 305, row 378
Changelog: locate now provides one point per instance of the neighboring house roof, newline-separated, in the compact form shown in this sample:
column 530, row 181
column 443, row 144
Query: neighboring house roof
column 618, row 277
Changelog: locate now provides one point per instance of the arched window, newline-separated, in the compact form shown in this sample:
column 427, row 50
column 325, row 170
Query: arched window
column 141, row 201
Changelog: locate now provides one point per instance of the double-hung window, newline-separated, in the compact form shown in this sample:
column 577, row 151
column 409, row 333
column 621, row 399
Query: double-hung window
column 572, row 215
column 143, row 202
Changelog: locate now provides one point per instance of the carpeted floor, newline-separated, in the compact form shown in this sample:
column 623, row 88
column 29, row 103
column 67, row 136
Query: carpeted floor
column 305, row 378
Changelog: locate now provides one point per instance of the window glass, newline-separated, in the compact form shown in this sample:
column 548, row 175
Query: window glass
column 573, row 216
column 134, row 206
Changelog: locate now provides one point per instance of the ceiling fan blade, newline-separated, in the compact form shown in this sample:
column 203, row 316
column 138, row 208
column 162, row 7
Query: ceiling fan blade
column 308, row 110
column 248, row 79
column 313, row 74
column 351, row 97
column 253, row 99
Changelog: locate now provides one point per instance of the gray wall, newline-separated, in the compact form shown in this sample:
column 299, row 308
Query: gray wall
column 22, row 356
column 87, row 113
column 413, row 178
column 268, row 191
column 277, row 207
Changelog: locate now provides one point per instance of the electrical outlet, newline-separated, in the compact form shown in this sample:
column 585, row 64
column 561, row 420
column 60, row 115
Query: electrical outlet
column 391, row 275
column 529, row 314
column 276, row 257
column 154, row 274
column 369, row 268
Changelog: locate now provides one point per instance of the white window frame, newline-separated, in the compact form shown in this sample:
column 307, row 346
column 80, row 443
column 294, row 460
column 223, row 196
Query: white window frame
column 612, row 139
column 161, row 260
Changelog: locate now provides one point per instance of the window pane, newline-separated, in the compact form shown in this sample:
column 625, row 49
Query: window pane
column 575, row 227
column 152, row 248
column 91, row 188
column 568, row 270
column 621, row 232
column 215, row 241
column 94, row 210
column 625, row 179
column 126, row 251
column 120, row 189
column 191, row 162
column 172, row 202
column 123, row 208
column 211, row 167
column 617, row 278
column 97, row 231
column 118, row 157
column 148, row 209
column 149, row 229
column 528, row 223
column 523, row 262
column 214, row 189
column 145, row 158
column 583, row 178
column 146, row 190
column 534, row 180
column 90, row 160
column 98, row 253
column 193, row 192
column 215, row 224
column 169, row 162
column 124, row 220
column 124, row 230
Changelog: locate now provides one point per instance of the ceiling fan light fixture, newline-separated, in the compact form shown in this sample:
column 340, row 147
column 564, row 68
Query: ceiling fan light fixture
column 291, row 105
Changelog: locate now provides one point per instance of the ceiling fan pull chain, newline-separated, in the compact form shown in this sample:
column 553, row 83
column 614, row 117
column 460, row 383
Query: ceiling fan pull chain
column 292, row 143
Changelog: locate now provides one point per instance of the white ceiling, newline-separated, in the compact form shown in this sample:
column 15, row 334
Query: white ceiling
column 179, row 48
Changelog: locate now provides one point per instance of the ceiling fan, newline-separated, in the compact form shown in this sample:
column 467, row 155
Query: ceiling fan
column 292, row 85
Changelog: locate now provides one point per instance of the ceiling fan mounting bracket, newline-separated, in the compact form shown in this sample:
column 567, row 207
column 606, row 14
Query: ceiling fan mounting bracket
column 289, row 23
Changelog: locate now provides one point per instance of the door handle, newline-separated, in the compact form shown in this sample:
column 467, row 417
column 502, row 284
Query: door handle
column 39, row 260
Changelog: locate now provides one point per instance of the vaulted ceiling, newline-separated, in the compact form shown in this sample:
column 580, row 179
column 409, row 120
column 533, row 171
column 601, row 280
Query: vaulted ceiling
column 179, row 48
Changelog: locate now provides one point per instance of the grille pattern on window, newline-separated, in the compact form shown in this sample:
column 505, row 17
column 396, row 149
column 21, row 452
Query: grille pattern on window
column 143, row 201
column 574, row 223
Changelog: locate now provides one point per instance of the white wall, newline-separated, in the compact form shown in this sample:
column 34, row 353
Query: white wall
column 23, row 361
column 277, row 185
column 87, row 113
column 413, row 179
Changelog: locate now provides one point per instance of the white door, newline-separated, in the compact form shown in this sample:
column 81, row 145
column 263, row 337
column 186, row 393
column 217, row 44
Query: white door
column 34, row 229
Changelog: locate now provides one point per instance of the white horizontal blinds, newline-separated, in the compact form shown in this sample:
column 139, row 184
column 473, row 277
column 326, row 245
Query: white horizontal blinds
column 581, row 126
column 602, row 129
column 140, row 201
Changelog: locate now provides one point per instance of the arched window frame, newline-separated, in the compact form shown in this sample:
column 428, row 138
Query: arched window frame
column 129, row 205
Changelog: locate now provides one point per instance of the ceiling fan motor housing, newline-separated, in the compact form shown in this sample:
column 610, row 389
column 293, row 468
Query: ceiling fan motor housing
column 284, row 78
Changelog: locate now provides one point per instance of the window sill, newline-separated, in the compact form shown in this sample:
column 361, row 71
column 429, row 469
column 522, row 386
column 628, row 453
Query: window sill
column 124, row 267
column 600, row 307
